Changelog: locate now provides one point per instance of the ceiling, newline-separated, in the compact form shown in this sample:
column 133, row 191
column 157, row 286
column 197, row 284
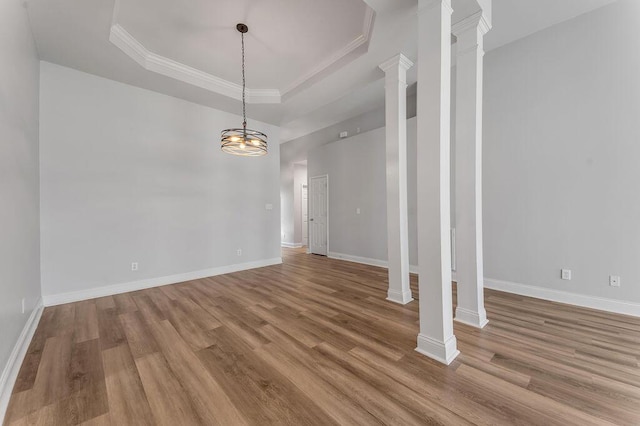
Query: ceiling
column 515, row 19
column 310, row 64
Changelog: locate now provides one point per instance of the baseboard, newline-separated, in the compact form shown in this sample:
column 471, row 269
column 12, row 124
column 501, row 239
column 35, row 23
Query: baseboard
column 472, row 318
column 92, row 293
column 357, row 259
column 291, row 245
column 366, row 261
column 374, row 262
column 12, row 368
column 444, row 352
column 593, row 302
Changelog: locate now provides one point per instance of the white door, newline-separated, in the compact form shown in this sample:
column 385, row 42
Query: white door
column 318, row 208
column 305, row 216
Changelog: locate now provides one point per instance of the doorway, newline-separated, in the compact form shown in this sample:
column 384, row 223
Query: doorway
column 318, row 217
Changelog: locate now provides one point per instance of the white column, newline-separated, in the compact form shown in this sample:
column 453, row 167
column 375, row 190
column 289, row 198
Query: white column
column 468, row 156
column 397, row 209
column 436, row 339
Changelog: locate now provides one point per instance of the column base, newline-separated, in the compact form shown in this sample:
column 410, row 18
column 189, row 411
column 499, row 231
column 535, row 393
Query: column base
column 444, row 352
column 474, row 319
column 401, row 298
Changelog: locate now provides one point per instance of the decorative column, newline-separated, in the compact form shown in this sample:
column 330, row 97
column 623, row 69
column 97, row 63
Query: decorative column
column 468, row 156
column 436, row 339
column 397, row 208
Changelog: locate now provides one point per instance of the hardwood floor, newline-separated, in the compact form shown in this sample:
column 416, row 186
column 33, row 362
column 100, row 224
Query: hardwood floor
column 313, row 341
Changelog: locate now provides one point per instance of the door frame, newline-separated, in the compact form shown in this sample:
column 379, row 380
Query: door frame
column 309, row 201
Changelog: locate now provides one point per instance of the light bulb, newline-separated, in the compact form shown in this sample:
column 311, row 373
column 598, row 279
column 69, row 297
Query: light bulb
column 242, row 145
column 234, row 139
column 255, row 142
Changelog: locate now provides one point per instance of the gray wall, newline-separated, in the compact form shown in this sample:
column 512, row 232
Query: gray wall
column 297, row 150
column 357, row 179
column 129, row 175
column 562, row 155
column 286, row 202
column 292, row 176
column 19, row 187
column 299, row 179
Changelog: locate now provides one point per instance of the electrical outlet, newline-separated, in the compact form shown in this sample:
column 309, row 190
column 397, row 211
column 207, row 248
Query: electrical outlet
column 23, row 308
column 268, row 206
column 358, row 210
column 565, row 274
column 134, row 266
column 614, row 280
column 239, row 252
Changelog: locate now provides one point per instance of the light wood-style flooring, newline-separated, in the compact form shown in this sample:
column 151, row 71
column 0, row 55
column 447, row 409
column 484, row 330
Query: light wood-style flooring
column 313, row 342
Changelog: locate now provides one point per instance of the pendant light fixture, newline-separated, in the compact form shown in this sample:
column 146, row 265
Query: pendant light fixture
column 243, row 141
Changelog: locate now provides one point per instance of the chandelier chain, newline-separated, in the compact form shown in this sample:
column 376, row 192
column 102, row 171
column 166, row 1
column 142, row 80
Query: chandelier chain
column 244, row 108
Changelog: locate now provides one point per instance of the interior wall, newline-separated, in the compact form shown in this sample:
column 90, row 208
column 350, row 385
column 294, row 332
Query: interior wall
column 19, row 184
column 129, row 175
column 299, row 179
column 297, row 150
column 357, row 180
column 287, row 234
column 561, row 153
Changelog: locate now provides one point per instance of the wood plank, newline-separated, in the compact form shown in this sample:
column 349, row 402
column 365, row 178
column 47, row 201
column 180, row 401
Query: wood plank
column 128, row 403
column 209, row 399
column 86, row 322
column 139, row 337
column 169, row 402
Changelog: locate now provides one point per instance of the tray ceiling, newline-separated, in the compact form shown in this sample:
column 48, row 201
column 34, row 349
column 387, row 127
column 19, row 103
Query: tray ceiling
column 290, row 43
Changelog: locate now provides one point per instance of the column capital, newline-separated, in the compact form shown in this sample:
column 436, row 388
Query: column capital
column 429, row 4
column 398, row 61
column 471, row 22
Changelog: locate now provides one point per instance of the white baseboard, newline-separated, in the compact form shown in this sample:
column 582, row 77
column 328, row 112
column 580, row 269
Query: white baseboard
column 472, row 318
column 366, row 261
column 92, row 293
column 12, row 368
column 593, row 302
column 357, row 259
column 444, row 352
column 291, row 245
column 374, row 262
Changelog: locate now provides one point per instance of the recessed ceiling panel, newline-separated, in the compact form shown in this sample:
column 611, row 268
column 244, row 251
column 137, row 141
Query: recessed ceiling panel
column 287, row 39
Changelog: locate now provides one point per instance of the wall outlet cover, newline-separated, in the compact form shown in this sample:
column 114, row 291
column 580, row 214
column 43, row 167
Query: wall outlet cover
column 614, row 280
column 565, row 274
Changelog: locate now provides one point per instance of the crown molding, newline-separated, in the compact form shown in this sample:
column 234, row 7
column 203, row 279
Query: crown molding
column 398, row 60
column 362, row 39
column 471, row 22
column 170, row 68
column 153, row 62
